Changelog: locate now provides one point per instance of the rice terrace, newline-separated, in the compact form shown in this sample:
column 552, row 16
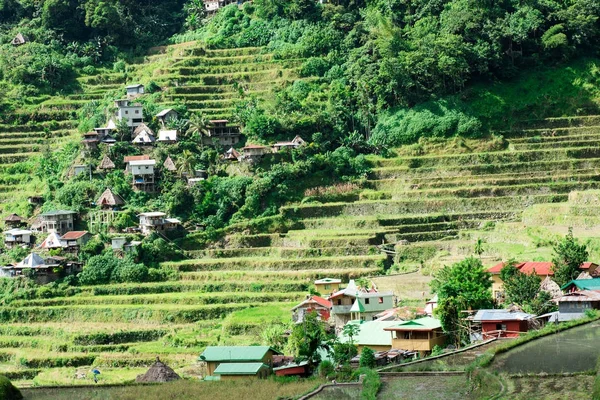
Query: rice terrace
column 299, row 200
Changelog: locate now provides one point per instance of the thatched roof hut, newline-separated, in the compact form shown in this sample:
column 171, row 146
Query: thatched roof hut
column 169, row 164
column 551, row 287
column 106, row 163
column 19, row 39
column 108, row 199
column 158, row 372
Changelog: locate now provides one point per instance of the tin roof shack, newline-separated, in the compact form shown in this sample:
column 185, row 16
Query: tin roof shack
column 143, row 136
column 215, row 356
column 371, row 334
column 134, row 90
column 312, row 303
column 242, row 371
column 293, row 369
column 18, row 237
column 581, row 284
column 142, row 173
column 14, row 221
column 222, row 132
column 502, row 323
column 420, row 335
column 131, row 113
column 358, row 303
column 574, row 304
column 327, row 285
column 72, row 241
column 156, row 222
column 34, row 266
column 293, row 144
column 167, row 136
column 166, row 116
column 59, row 221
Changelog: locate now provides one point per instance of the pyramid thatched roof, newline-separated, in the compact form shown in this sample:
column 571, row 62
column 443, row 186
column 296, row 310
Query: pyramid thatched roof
column 106, row 163
column 551, row 287
column 108, row 198
column 169, row 164
column 158, row 372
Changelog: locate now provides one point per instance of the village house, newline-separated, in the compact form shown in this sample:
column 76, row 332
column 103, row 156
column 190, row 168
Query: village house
column 19, row 40
column 581, row 284
column 142, row 135
column 253, row 152
column 18, row 237
column 404, row 313
column 358, row 303
column 168, row 136
column 72, row 241
column 106, row 164
column 80, row 169
column 134, row 90
column 244, row 358
column 327, row 285
column 293, row 144
column 312, row 303
column 232, row 155
column 41, row 272
column 52, row 241
column 14, row 221
column 169, row 165
column 105, row 133
column 156, row 222
column 142, row 173
column 128, row 159
column 109, row 200
column 420, row 335
column 371, row 334
column 166, row 116
column 573, row 305
column 59, row 221
column 131, row 113
column 226, row 135
column 502, row 323
column 90, row 141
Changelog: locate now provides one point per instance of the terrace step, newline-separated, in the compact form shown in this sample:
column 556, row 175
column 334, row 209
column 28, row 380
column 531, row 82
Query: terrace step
column 192, row 61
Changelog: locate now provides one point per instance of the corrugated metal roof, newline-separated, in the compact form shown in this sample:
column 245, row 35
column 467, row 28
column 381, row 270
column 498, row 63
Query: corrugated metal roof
column 425, row 323
column 73, row 235
column 239, row 368
column 371, row 333
column 235, row 353
column 583, row 295
column 501, row 315
column 584, row 284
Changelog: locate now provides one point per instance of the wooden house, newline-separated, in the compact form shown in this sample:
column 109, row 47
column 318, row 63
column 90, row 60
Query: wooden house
column 293, row 144
column 354, row 303
column 371, row 334
column 142, row 173
column 215, row 356
column 156, row 222
column 221, row 131
column 59, row 221
column 14, row 221
column 19, row 40
column 131, row 113
column 134, row 90
column 166, row 116
column 573, row 305
column 142, row 135
column 253, row 152
column 232, row 155
column 72, row 241
column 106, row 164
column 109, row 200
column 327, row 285
column 18, row 237
column 502, row 323
column 168, row 136
column 420, row 335
column 312, row 303
column 90, row 141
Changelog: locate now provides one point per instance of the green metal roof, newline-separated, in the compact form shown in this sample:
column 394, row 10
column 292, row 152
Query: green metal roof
column 239, row 368
column 371, row 333
column 357, row 307
column 235, row 353
column 291, row 365
column 584, row 284
column 420, row 323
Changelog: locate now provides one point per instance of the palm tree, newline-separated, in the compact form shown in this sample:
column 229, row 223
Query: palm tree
column 479, row 247
column 198, row 128
column 187, row 162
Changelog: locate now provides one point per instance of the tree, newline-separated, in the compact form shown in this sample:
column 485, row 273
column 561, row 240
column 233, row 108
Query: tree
column 274, row 336
column 351, row 330
column 187, row 163
column 464, row 285
column 367, row 358
column 479, row 249
column 519, row 288
column 308, row 338
column 198, row 129
column 568, row 257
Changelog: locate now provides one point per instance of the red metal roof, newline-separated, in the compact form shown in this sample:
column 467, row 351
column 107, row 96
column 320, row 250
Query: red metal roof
column 588, row 265
column 542, row 268
column 321, row 301
column 73, row 235
column 136, row 158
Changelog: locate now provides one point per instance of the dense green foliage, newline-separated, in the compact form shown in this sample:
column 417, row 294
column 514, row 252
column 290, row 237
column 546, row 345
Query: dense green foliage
column 464, row 285
column 524, row 290
column 308, row 338
column 8, row 391
column 367, row 358
column 568, row 257
column 106, row 268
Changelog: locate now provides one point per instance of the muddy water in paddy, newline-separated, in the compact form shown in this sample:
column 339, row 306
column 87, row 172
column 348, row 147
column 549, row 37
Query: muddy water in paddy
column 574, row 350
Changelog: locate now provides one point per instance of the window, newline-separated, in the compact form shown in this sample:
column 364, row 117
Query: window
column 366, row 301
column 339, row 302
column 500, row 327
column 327, row 287
column 380, row 300
column 406, row 335
column 137, row 111
column 126, row 112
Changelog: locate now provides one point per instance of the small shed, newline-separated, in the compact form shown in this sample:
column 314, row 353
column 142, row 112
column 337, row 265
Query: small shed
column 167, row 115
column 134, row 90
column 167, row 136
column 106, row 164
column 158, row 372
column 241, row 371
column 327, row 285
column 232, row 155
column 143, row 135
column 14, row 221
column 291, row 369
column 109, row 200
column 19, row 39
column 169, row 164
column 502, row 323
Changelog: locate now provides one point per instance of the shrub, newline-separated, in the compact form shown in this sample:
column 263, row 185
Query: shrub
column 128, row 271
column 326, row 368
column 367, row 358
column 119, row 66
column 371, row 383
column 8, row 391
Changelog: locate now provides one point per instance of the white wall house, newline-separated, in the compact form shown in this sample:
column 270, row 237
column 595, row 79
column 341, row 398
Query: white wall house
column 132, row 113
